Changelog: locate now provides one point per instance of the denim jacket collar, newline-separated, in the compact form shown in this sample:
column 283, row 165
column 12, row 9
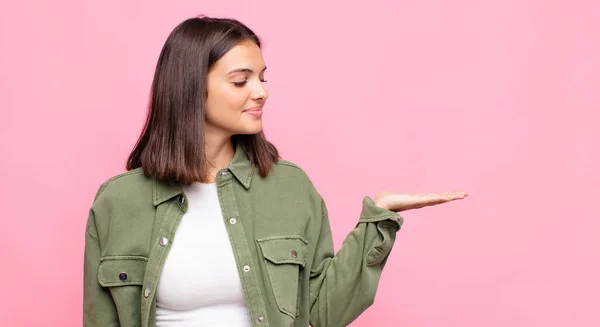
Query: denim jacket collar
column 241, row 167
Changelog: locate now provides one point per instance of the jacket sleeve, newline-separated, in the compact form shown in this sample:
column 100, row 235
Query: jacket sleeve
column 343, row 285
column 98, row 307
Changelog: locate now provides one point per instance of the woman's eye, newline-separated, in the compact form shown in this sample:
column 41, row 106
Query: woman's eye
column 241, row 84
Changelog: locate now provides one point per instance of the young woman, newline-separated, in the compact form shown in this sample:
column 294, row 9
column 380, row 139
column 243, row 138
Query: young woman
column 209, row 227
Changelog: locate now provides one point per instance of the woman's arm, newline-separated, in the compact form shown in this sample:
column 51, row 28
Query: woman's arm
column 344, row 285
column 98, row 307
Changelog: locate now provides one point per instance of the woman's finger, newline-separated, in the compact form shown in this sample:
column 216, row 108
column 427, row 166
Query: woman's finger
column 404, row 201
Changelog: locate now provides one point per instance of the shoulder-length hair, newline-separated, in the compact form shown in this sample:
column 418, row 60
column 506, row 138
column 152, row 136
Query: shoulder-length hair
column 171, row 145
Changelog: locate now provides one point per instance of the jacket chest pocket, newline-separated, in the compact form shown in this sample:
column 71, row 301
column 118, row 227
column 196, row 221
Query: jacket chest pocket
column 124, row 277
column 284, row 257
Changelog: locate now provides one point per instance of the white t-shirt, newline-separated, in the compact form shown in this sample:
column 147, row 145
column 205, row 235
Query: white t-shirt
column 199, row 284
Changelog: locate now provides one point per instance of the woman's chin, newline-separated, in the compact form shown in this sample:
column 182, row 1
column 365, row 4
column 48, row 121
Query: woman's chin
column 251, row 129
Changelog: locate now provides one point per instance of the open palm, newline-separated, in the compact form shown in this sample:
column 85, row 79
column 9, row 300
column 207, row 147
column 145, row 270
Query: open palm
column 406, row 201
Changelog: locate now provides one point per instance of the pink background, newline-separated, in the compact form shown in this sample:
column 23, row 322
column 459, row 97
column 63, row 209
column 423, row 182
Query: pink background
column 498, row 98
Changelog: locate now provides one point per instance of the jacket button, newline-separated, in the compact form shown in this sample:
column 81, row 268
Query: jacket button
column 260, row 319
column 147, row 292
column 163, row 241
column 246, row 268
column 294, row 254
column 123, row 276
column 182, row 199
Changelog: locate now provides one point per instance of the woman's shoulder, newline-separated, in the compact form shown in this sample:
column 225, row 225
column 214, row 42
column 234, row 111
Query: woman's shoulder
column 287, row 163
column 124, row 185
column 122, row 200
column 293, row 174
column 290, row 169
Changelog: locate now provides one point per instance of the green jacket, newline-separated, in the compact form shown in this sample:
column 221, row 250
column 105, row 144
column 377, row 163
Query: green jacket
column 281, row 238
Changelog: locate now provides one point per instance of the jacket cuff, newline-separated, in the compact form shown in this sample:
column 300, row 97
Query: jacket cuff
column 371, row 213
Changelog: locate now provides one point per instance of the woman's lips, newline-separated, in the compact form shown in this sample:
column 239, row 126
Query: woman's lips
column 256, row 112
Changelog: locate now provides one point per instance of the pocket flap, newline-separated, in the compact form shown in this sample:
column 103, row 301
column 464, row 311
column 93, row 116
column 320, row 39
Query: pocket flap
column 284, row 249
column 122, row 270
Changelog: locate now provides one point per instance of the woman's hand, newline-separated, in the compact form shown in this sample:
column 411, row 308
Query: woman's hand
column 402, row 201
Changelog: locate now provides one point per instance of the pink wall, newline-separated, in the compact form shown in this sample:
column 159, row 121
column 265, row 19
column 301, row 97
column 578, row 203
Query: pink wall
column 499, row 98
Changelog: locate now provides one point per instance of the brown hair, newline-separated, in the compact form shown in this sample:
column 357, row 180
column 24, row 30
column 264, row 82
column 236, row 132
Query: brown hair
column 171, row 145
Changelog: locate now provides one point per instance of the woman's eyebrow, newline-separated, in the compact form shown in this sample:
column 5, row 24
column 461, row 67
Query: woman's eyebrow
column 244, row 70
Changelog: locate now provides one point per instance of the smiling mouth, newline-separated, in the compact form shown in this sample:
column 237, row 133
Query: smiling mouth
column 255, row 112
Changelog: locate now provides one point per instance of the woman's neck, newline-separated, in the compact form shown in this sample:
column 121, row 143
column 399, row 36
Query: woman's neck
column 218, row 155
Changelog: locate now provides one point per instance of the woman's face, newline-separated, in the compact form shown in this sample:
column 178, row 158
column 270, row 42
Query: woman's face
column 235, row 91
